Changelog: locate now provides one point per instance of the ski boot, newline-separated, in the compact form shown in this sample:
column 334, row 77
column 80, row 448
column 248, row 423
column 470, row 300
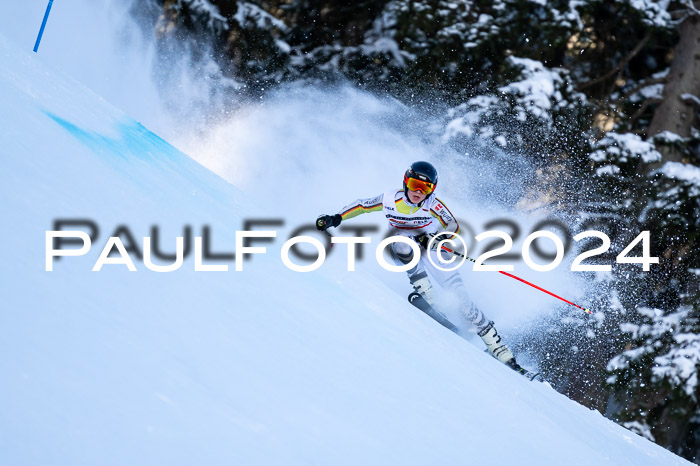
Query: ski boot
column 494, row 343
column 425, row 289
column 501, row 352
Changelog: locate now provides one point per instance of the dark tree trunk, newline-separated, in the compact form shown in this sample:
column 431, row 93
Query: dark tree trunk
column 675, row 113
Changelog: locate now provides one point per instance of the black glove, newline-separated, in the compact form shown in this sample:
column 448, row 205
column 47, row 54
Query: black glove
column 425, row 238
column 324, row 222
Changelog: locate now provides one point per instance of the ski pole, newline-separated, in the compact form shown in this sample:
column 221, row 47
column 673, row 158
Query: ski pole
column 330, row 236
column 43, row 25
column 459, row 254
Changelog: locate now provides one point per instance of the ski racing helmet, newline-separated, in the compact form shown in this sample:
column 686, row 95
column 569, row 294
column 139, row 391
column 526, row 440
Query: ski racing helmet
column 420, row 176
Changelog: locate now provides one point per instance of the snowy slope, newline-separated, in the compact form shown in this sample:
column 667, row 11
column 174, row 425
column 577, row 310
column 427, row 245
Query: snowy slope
column 264, row 366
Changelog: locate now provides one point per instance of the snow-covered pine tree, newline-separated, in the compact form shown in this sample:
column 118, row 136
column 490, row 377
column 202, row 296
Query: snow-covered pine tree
column 656, row 378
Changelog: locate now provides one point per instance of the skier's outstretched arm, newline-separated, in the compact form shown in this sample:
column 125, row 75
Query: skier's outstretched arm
column 360, row 206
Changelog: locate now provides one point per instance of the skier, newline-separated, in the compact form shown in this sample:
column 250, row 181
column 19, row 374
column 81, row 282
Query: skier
column 415, row 212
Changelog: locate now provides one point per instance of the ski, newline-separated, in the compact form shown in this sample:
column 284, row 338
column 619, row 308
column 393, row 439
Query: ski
column 520, row 369
column 524, row 372
column 417, row 300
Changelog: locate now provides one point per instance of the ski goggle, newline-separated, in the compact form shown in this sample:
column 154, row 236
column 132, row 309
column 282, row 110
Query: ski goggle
column 414, row 184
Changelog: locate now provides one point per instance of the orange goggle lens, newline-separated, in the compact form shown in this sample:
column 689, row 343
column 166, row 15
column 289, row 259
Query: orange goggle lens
column 415, row 184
